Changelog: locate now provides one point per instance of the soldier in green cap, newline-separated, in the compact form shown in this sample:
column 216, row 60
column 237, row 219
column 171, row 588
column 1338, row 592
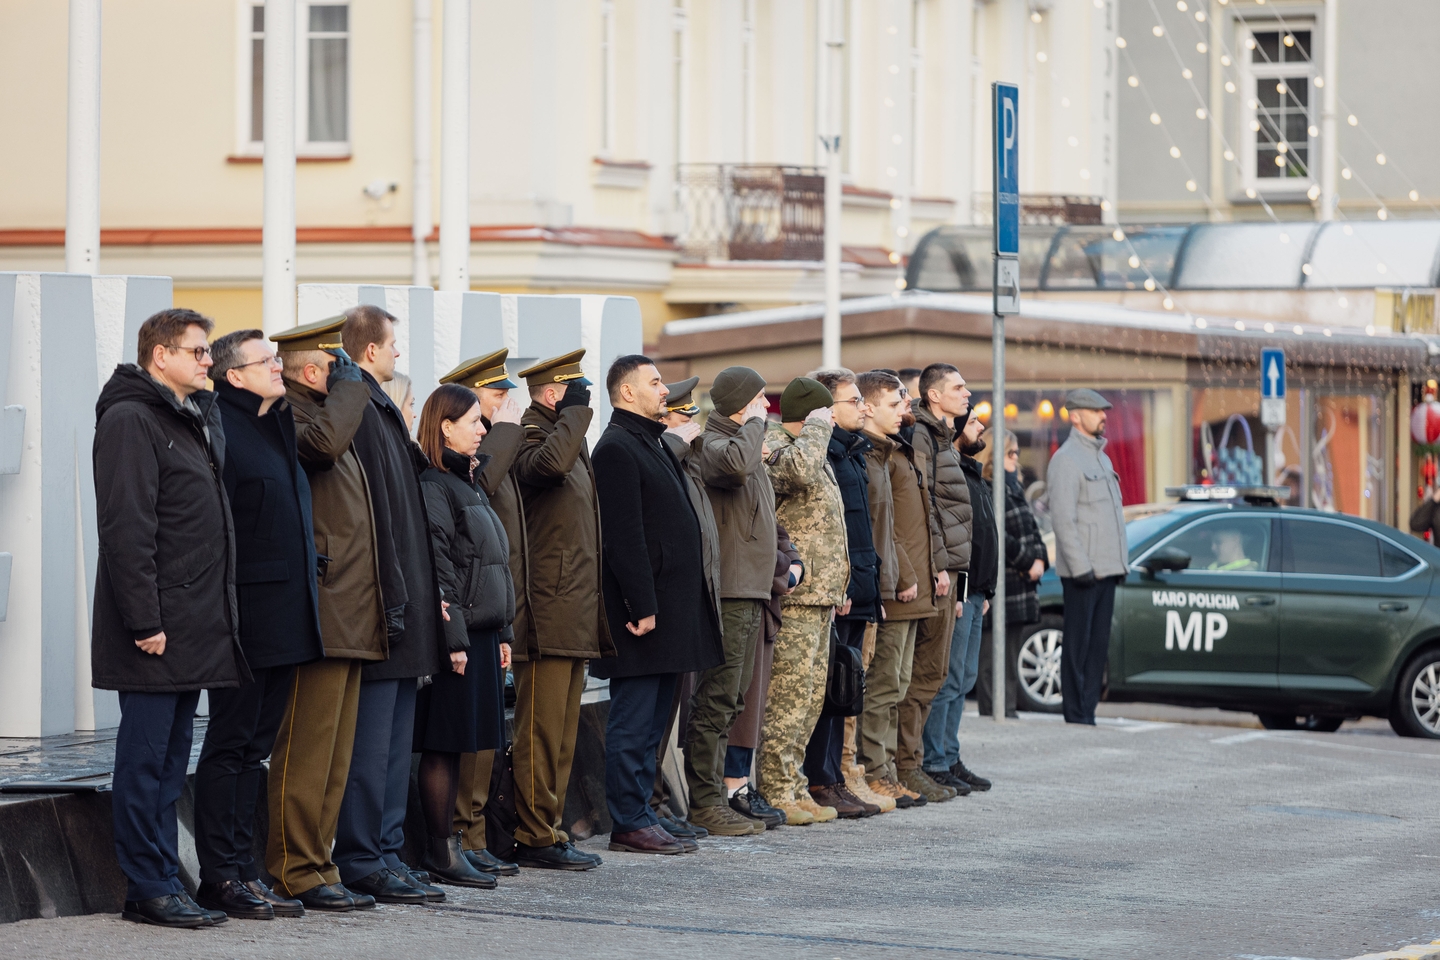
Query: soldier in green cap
column 566, row 623
column 486, row 377
column 311, row 760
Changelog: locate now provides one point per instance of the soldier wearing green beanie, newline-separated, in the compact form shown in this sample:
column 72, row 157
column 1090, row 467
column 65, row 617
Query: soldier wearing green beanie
column 800, row 397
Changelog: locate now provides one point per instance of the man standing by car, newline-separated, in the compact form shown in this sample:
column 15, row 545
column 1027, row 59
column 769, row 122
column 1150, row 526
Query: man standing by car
column 1083, row 492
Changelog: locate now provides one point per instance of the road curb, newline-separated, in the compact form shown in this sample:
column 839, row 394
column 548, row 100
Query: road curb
column 1416, row 951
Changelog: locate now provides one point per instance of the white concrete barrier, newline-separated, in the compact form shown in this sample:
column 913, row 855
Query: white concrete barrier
column 438, row 330
column 62, row 336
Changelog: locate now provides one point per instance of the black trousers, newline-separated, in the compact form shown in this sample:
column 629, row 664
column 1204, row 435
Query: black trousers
column 827, row 743
column 371, row 832
column 152, row 753
column 243, row 722
column 1086, row 646
column 639, row 714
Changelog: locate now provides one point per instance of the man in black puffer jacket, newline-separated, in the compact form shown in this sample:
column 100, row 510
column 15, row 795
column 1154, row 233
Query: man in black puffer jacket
column 279, row 620
column 165, row 620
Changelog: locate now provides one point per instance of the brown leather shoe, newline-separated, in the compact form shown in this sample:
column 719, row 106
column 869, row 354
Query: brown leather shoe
column 843, row 789
column 846, row 806
column 652, row 839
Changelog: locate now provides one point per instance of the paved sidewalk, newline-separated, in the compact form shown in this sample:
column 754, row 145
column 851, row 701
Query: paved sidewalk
column 1136, row 839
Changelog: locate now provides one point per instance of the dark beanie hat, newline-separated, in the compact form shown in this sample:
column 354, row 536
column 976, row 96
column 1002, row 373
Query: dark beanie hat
column 801, row 397
column 733, row 388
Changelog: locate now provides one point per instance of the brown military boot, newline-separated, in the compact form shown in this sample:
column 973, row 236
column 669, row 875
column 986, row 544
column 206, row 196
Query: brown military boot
column 845, row 794
column 830, row 796
column 794, row 816
column 855, row 783
column 888, row 787
column 821, row 814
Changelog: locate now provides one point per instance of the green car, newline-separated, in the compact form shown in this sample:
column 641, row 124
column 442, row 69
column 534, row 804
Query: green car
column 1303, row 618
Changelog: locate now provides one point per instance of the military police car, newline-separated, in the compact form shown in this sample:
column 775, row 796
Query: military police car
column 1302, row 617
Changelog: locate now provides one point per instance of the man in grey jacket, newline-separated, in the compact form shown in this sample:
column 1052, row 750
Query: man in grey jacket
column 739, row 489
column 1083, row 492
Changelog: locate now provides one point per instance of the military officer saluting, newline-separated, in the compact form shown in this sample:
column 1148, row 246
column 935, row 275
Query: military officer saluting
column 565, row 625
column 500, row 413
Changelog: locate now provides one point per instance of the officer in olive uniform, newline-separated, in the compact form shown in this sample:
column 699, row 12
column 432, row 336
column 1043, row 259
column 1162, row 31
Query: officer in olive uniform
column 311, row 760
column 487, row 378
column 566, row 621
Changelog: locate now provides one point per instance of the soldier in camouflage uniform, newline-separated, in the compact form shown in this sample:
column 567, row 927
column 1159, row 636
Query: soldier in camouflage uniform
column 808, row 505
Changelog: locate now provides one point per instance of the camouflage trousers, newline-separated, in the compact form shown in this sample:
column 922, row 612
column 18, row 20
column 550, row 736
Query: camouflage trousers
column 797, row 694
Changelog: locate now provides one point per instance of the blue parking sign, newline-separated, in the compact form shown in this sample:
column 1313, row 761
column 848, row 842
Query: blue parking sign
column 1005, row 137
column 1272, row 374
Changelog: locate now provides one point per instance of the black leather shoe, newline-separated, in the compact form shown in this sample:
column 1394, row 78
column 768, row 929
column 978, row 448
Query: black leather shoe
column 560, row 856
column 216, row 917
column 432, row 893
column 234, row 899
column 487, row 862
column 447, row 863
column 283, row 906
column 386, row 887
column 748, row 803
column 947, row 779
column 363, row 901
column 963, row 773
column 329, row 898
column 681, row 829
column 570, row 845
column 166, row 911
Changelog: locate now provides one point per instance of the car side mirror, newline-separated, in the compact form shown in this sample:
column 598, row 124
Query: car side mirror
column 1167, row 558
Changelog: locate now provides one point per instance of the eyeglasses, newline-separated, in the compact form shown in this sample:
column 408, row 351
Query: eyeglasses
column 273, row 360
column 854, row 400
column 200, row 352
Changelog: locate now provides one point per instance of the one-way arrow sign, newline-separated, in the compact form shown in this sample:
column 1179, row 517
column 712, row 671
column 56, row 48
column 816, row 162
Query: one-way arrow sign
column 1272, row 388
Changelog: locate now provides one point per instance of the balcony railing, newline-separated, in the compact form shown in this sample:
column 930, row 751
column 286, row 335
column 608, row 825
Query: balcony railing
column 1042, row 209
column 750, row 212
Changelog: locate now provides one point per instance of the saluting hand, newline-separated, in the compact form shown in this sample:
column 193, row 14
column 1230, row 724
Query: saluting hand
column 509, row 411
column 152, row 645
column 687, row 431
column 644, row 627
column 824, row 414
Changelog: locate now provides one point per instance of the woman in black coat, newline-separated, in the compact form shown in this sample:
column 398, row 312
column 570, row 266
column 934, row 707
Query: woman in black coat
column 461, row 711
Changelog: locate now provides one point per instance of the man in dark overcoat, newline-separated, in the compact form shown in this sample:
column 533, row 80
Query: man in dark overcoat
column 165, row 622
column 279, row 620
column 657, row 597
column 565, row 624
column 372, row 817
column 328, row 397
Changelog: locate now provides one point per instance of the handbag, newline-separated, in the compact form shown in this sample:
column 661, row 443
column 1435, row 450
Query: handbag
column 501, row 818
column 845, row 684
column 1240, row 466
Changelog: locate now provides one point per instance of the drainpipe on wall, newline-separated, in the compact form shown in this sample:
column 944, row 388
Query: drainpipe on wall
column 82, row 159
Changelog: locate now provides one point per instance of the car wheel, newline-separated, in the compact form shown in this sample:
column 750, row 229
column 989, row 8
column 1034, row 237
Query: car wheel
column 1037, row 665
column 1289, row 721
column 1416, row 709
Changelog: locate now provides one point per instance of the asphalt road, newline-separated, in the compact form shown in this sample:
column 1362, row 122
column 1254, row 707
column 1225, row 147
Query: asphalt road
column 1138, row 838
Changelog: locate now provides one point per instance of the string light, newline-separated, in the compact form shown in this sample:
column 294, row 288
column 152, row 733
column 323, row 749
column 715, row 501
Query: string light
column 1133, row 80
column 1175, row 152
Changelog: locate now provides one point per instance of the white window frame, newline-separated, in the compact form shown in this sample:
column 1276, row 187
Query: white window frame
column 304, row 147
column 1253, row 73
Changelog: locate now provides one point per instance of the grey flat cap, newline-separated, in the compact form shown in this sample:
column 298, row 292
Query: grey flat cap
column 1086, row 399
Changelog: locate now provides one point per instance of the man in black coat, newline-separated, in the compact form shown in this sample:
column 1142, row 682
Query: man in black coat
column 165, row 621
column 657, row 597
column 846, row 453
column 279, row 620
column 372, row 817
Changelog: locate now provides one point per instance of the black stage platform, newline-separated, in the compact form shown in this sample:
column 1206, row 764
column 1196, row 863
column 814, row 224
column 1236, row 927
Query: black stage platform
column 57, row 854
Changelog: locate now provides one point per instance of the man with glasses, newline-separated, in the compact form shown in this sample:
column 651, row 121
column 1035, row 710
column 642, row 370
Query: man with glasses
column 165, row 621
column 279, row 620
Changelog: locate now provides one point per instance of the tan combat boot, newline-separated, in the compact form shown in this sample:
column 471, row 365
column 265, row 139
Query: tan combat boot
column 915, row 781
column 887, row 787
column 794, row 815
column 855, row 782
column 821, row 814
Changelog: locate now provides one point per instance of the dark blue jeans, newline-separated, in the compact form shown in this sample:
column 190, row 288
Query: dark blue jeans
column 152, row 753
column 1085, row 647
column 639, row 714
column 372, row 816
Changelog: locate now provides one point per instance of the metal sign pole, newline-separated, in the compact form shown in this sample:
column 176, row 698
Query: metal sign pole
column 1005, row 113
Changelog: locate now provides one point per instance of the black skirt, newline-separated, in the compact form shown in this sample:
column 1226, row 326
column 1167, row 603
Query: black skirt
column 465, row 713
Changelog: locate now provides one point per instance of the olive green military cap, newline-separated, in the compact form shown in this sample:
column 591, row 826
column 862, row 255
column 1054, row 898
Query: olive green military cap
column 564, row 369
column 486, row 371
column 320, row 335
column 1086, row 399
column 679, row 400
column 801, row 396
